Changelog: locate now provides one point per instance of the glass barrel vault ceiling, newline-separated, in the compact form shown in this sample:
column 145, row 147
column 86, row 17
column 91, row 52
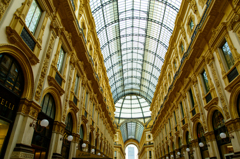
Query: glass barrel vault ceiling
column 134, row 37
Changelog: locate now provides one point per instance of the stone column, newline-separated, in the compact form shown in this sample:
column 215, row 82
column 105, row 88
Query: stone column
column 197, row 152
column 28, row 112
column 213, row 147
column 185, row 153
column 56, row 141
column 74, row 144
column 233, row 127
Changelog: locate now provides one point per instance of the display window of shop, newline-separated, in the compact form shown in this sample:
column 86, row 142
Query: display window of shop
column 224, row 145
column 202, row 139
column 42, row 136
column 11, row 88
column 68, row 131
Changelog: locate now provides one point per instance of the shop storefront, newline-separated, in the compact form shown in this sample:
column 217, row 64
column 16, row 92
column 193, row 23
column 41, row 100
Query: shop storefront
column 11, row 88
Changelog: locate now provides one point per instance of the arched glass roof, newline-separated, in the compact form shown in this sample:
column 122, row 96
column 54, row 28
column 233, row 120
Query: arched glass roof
column 134, row 37
column 132, row 130
column 132, row 106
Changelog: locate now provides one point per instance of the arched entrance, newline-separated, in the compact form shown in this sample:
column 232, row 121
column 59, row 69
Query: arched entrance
column 11, row 89
column 68, row 131
column 202, row 139
column 224, row 145
column 42, row 136
column 131, row 151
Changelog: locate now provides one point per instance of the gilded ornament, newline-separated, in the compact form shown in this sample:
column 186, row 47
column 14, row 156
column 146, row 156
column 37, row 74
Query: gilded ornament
column 44, row 69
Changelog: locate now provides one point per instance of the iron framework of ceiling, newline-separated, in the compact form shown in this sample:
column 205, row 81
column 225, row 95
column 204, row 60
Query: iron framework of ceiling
column 134, row 37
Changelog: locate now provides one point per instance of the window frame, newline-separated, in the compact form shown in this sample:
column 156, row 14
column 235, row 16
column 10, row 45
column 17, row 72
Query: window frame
column 223, row 57
column 76, row 86
column 207, row 90
column 63, row 60
column 40, row 20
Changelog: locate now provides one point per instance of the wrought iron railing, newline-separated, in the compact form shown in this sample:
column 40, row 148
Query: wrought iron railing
column 28, row 39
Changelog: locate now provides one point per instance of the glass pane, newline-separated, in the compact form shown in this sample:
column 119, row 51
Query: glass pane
column 60, row 60
column 76, row 84
column 4, row 127
column 4, row 67
column 228, row 55
column 218, row 120
column 205, row 80
column 33, row 16
column 12, row 76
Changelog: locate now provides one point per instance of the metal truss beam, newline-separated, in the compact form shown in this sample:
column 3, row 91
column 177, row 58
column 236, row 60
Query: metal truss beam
column 133, row 69
column 132, row 93
column 133, row 48
column 137, row 77
column 126, row 84
column 132, row 41
column 111, row 1
column 132, row 18
column 133, row 34
column 133, row 60
column 133, row 27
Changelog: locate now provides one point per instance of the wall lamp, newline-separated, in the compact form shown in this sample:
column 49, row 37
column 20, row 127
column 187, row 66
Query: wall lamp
column 223, row 136
column 202, row 144
column 69, row 138
column 44, row 123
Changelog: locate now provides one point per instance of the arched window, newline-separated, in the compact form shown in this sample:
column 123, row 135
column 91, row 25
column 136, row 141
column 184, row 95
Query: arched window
column 224, row 145
column 68, row 131
column 201, row 138
column 11, row 88
column 42, row 136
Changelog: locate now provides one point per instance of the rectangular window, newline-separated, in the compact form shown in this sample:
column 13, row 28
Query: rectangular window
column 86, row 101
column 175, row 118
column 182, row 109
column 150, row 154
column 33, row 16
column 93, row 111
column 60, row 60
column 227, row 55
column 76, row 84
column 191, row 98
column 205, row 81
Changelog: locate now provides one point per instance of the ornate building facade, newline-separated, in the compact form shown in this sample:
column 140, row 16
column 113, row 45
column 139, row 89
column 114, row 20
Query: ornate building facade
column 196, row 106
column 55, row 96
